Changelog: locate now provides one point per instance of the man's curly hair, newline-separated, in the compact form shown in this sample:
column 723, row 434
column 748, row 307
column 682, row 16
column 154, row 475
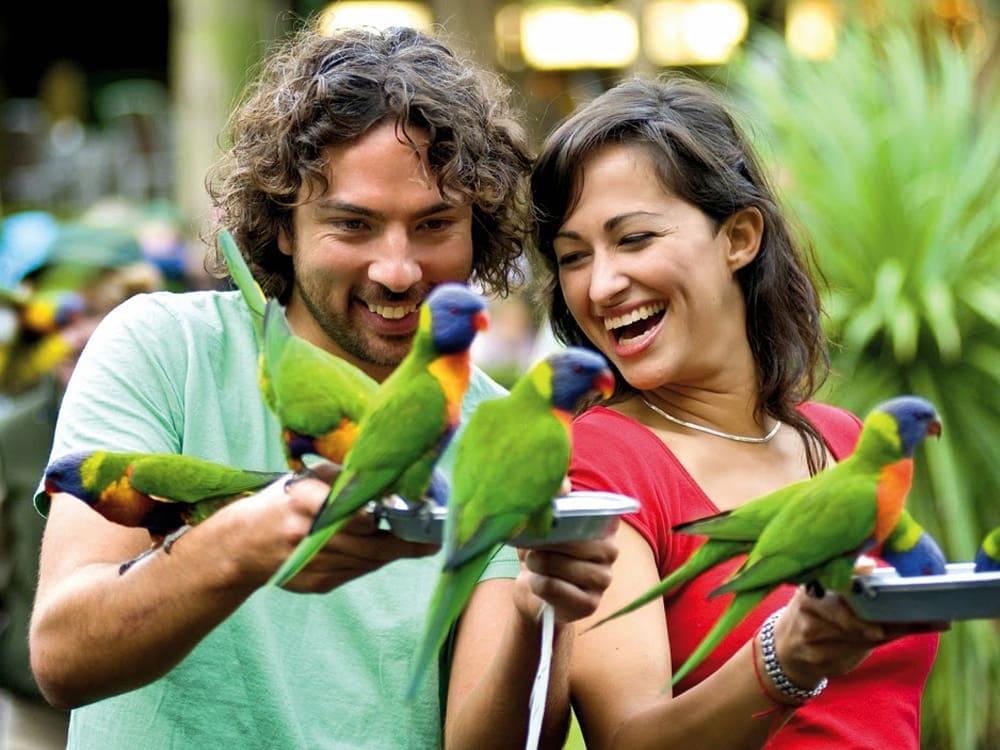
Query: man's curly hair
column 317, row 91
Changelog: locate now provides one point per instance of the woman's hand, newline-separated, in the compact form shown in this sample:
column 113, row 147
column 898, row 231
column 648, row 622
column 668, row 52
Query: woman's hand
column 571, row 576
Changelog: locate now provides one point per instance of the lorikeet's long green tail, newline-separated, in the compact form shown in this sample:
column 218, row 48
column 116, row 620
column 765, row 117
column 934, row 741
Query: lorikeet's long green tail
column 738, row 608
column 708, row 555
column 454, row 588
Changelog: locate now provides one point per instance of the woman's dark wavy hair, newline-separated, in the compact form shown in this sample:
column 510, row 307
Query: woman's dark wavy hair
column 701, row 155
column 320, row 90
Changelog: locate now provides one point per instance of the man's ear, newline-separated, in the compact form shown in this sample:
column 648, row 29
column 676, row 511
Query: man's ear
column 744, row 230
column 284, row 242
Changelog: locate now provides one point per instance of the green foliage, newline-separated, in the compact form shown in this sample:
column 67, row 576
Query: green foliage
column 888, row 157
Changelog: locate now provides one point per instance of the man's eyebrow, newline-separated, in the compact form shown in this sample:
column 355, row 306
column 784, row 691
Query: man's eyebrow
column 329, row 205
column 343, row 207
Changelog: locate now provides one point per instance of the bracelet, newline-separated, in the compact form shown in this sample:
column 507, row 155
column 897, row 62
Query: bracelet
column 785, row 686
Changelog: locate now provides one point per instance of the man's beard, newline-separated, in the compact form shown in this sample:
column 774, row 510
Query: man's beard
column 373, row 350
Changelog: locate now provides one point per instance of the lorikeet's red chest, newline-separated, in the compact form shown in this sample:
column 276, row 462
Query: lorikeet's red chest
column 893, row 485
column 453, row 371
column 121, row 503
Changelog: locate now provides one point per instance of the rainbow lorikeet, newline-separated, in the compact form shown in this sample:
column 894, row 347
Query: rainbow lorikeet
column 317, row 396
column 164, row 493
column 829, row 519
column 510, row 463
column 987, row 558
column 409, row 422
column 912, row 551
column 908, row 548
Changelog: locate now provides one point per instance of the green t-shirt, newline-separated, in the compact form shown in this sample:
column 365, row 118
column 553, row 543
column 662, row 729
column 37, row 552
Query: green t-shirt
column 177, row 373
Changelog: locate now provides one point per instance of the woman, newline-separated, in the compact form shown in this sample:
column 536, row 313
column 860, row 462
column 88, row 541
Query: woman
column 669, row 254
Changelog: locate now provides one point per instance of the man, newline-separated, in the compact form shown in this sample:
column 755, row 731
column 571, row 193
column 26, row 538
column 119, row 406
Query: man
column 365, row 169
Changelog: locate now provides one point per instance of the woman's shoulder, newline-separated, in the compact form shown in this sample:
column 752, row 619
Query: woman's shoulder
column 838, row 426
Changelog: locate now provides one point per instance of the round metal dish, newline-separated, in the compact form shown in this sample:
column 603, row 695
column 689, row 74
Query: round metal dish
column 577, row 516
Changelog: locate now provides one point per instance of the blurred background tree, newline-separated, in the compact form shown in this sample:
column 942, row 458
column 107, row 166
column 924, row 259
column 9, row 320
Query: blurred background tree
column 888, row 153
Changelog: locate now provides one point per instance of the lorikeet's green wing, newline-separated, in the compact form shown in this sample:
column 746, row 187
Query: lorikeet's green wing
column 186, row 479
column 808, row 534
column 509, row 466
column 318, row 397
column 411, row 418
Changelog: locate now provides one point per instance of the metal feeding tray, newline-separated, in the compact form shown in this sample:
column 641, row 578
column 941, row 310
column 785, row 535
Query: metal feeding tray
column 957, row 594
column 578, row 516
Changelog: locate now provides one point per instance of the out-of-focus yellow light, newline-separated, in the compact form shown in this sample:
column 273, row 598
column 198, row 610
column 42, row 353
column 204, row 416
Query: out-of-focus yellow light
column 378, row 14
column 565, row 37
column 811, row 28
column 507, row 29
column 693, row 32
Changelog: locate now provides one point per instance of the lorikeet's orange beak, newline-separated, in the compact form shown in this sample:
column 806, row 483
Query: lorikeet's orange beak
column 605, row 383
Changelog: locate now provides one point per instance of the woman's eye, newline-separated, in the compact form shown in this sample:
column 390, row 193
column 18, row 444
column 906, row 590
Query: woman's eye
column 568, row 259
column 635, row 239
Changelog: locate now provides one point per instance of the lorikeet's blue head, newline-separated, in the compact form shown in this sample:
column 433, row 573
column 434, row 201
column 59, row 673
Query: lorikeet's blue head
column 65, row 474
column 988, row 554
column 916, row 418
column 577, row 372
column 457, row 315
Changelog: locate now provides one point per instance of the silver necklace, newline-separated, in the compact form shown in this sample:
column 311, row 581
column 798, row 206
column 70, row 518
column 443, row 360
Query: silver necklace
column 710, row 431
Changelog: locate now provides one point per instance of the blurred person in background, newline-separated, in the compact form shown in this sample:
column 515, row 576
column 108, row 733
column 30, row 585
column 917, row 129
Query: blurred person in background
column 73, row 275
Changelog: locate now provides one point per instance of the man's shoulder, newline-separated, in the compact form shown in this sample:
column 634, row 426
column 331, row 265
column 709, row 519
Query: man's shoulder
column 185, row 305
column 169, row 317
column 482, row 387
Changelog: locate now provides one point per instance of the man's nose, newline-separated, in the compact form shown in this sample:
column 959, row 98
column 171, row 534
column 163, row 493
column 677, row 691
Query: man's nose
column 396, row 267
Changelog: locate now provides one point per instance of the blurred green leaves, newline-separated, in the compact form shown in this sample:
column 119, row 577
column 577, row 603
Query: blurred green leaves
column 888, row 157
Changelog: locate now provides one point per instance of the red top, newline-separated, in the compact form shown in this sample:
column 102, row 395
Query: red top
column 875, row 706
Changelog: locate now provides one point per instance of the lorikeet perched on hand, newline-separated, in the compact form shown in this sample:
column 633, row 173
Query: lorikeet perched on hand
column 317, row 396
column 510, row 463
column 164, row 493
column 829, row 519
column 410, row 421
column 908, row 548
